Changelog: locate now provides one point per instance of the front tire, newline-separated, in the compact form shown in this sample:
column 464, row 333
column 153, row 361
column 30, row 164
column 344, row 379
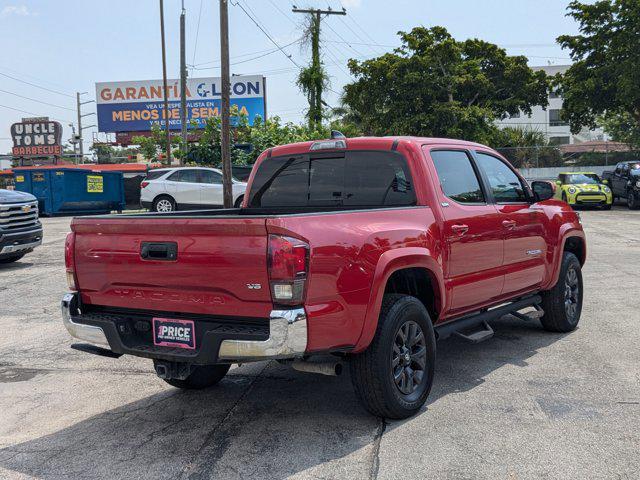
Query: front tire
column 202, row 376
column 238, row 201
column 393, row 376
column 12, row 258
column 562, row 304
column 164, row 204
column 633, row 202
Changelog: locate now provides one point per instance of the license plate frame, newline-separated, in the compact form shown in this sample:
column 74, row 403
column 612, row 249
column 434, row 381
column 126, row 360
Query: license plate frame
column 174, row 334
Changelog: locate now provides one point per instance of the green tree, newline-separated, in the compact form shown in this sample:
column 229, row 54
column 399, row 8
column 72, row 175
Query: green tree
column 313, row 79
column 604, row 79
column 155, row 143
column 434, row 85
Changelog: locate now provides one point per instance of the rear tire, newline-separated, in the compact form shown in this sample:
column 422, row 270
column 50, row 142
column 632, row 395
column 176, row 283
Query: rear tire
column 393, row 376
column 562, row 304
column 202, row 376
column 633, row 202
column 12, row 258
column 238, row 201
column 164, row 204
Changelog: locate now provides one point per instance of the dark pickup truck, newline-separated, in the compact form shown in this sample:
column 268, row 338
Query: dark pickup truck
column 624, row 182
column 20, row 229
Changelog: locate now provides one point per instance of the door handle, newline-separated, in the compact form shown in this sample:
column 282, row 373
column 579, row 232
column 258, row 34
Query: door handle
column 509, row 224
column 460, row 229
column 163, row 251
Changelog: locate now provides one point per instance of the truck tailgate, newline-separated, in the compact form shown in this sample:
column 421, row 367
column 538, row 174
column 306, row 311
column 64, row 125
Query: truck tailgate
column 220, row 267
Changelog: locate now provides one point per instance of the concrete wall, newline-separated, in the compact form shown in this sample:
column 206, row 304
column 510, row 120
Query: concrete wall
column 550, row 173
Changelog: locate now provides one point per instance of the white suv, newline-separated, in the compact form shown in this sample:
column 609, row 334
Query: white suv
column 186, row 188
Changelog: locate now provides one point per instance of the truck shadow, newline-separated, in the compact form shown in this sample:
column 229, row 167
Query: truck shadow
column 269, row 425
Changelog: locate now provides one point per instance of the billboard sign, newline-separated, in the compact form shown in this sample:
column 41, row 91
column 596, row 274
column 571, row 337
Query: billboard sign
column 136, row 106
column 36, row 137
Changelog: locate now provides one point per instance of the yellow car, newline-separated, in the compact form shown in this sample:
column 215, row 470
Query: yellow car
column 583, row 189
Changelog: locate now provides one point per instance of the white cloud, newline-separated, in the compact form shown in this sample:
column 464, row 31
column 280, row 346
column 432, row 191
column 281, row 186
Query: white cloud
column 351, row 3
column 18, row 10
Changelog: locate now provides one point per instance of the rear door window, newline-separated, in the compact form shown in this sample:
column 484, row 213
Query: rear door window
column 209, row 176
column 357, row 179
column 188, row 176
column 458, row 179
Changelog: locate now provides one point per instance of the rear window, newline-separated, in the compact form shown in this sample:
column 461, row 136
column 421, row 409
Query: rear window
column 153, row 174
column 355, row 179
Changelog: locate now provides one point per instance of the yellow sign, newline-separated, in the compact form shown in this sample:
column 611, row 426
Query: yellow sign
column 19, row 178
column 59, row 173
column 95, row 184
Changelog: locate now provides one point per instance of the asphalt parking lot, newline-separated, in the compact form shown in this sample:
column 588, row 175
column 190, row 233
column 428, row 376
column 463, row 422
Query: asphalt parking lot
column 525, row 404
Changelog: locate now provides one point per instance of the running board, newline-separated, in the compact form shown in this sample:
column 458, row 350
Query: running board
column 485, row 333
column 471, row 322
column 95, row 350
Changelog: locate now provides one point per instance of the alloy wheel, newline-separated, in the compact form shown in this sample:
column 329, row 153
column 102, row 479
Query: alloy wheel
column 409, row 357
column 164, row 205
column 571, row 293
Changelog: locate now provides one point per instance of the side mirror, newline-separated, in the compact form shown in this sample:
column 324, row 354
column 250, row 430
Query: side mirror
column 543, row 190
column 559, row 183
column 605, row 181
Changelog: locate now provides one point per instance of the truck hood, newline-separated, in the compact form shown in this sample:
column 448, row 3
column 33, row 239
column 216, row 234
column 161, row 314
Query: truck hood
column 12, row 196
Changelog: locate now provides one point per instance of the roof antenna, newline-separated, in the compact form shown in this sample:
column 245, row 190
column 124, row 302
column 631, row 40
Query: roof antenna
column 337, row 134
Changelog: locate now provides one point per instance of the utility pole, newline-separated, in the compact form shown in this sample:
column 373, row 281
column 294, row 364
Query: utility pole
column 183, row 85
column 164, row 85
column 80, row 116
column 225, row 94
column 315, row 90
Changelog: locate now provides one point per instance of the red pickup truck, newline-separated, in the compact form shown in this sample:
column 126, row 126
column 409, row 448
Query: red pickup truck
column 364, row 251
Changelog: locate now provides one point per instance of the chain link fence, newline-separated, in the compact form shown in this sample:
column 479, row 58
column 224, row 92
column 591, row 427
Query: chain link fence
column 566, row 156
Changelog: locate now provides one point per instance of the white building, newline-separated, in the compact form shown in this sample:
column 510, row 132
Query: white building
column 549, row 121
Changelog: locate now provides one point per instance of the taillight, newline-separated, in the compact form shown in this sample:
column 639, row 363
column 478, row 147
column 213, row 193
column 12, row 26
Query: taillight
column 143, row 184
column 288, row 269
column 69, row 260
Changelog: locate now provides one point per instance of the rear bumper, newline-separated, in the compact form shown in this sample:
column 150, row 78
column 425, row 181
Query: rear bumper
column 16, row 242
column 285, row 337
column 146, row 205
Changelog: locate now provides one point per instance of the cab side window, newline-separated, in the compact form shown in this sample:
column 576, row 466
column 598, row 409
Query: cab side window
column 458, row 179
column 505, row 184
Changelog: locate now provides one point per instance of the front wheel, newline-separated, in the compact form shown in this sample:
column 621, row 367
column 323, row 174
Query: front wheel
column 393, row 376
column 562, row 304
column 202, row 376
column 633, row 202
column 12, row 258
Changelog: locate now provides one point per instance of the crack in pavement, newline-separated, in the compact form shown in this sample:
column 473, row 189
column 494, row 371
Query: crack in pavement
column 188, row 469
column 377, row 440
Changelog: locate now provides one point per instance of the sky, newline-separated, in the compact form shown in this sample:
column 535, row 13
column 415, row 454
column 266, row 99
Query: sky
column 50, row 50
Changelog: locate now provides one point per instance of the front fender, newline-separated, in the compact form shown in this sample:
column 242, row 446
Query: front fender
column 567, row 230
column 388, row 263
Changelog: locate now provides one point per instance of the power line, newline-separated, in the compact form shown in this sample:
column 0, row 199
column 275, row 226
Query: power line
column 343, row 39
column 283, row 12
column 35, row 85
column 238, row 4
column 195, row 43
column 263, row 53
column 31, row 113
column 36, row 100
